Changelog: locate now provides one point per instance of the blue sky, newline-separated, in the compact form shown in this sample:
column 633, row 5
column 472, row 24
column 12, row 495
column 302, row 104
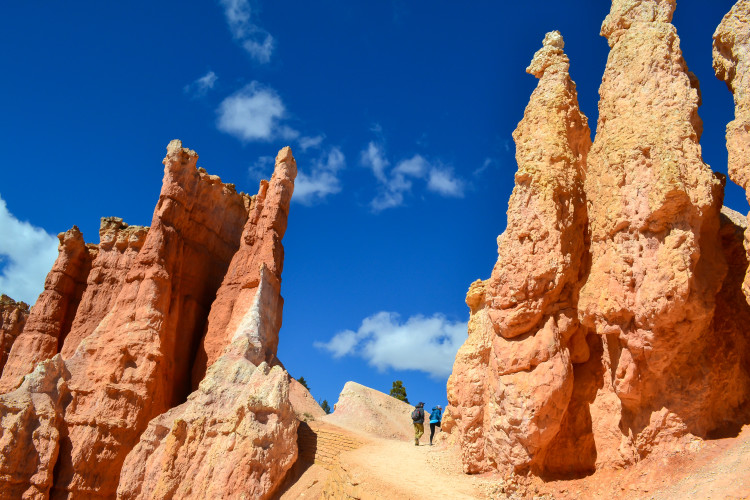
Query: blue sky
column 400, row 116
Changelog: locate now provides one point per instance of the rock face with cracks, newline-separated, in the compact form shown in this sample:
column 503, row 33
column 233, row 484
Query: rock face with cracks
column 52, row 315
column 13, row 317
column 235, row 437
column 513, row 378
column 731, row 56
column 30, row 421
column 656, row 256
column 128, row 317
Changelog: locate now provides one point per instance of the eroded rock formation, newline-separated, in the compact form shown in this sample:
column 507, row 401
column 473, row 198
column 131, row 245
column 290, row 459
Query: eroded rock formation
column 52, row 315
column 513, row 378
column 661, row 352
column 732, row 64
column 128, row 317
column 236, row 433
column 13, row 317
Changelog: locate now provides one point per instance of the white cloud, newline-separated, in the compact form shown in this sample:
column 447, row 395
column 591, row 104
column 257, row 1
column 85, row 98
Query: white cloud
column 427, row 344
column 442, row 181
column 255, row 40
column 322, row 180
column 397, row 182
column 26, row 256
column 306, row 142
column 202, row 85
column 254, row 113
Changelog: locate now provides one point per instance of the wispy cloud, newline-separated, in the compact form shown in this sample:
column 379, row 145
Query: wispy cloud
column 199, row 87
column 26, row 256
column 254, row 113
column 396, row 182
column 306, row 142
column 255, row 40
column 427, row 344
column 262, row 168
column 322, row 179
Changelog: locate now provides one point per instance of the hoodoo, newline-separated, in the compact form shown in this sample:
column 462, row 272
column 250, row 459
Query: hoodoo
column 513, row 378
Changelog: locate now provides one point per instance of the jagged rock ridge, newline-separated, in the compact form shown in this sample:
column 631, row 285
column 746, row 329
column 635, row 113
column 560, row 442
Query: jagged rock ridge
column 127, row 317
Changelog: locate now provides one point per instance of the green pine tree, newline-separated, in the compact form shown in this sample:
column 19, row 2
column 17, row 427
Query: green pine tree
column 302, row 381
column 326, row 407
column 398, row 391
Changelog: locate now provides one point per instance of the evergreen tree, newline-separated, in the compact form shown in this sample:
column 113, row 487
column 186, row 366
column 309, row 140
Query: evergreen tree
column 398, row 391
column 326, row 407
column 302, row 381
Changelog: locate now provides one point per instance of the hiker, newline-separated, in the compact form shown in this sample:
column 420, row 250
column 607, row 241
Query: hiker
column 417, row 417
column 435, row 417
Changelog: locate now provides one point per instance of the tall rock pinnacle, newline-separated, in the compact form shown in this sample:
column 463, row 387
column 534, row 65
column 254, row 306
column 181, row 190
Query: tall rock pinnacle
column 732, row 64
column 653, row 214
column 523, row 329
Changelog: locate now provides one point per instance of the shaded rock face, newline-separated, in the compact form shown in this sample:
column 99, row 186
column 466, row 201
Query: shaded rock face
column 52, row 315
column 610, row 325
column 513, row 378
column 128, row 316
column 236, row 433
column 13, row 317
column 261, row 245
column 731, row 54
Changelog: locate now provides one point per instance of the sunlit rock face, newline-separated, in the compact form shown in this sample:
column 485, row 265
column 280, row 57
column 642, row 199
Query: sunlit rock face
column 610, row 325
column 52, row 315
column 13, row 316
column 732, row 64
column 513, row 378
column 127, row 318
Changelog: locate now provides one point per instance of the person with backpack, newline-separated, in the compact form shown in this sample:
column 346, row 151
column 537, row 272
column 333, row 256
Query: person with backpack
column 417, row 418
column 435, row 417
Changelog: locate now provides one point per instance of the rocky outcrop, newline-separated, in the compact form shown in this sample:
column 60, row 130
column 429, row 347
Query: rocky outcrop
column 30, row 422
column 513, row 378
column 119, row 245
column 136, row 364
column 236, row 433
column 13, row 317
column 52, row 315
column 657, row 261
column 261, row 245
column 731, row 55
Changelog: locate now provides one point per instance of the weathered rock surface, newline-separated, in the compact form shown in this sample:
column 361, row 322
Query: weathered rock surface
column 30, row 421
column 657, row 261
column 305, row 406
column 13, row 317
column 236, row 436
column 261, row 244
column 136, row 364
column 731, row 55
column 119, row 245
column 52, row 315
column 513, row 378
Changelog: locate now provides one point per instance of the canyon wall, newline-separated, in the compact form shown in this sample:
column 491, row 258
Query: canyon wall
column 629, row 334
column 13, row 316
column 127, row 318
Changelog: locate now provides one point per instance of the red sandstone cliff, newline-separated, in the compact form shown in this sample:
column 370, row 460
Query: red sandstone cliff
column 128, row 316
column 13, row 317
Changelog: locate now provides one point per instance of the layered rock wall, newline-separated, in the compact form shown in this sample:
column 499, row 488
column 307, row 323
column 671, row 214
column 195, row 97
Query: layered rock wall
column 13, row 317
column 731, row 55
column 52, row 315
column 513, row 378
